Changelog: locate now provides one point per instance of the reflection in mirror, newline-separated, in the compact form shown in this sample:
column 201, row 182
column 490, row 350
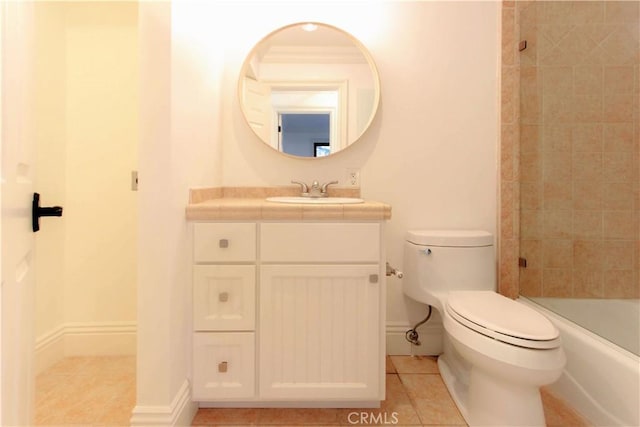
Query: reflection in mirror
column 315, row 126
column 309, row 93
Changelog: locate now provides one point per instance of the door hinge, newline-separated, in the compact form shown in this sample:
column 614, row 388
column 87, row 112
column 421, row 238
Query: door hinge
column 134, row 180
column 522, row 45
column 522, row 262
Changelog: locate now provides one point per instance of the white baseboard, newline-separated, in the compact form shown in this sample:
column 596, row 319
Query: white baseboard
column 84, row 339
column 179, row 413
column 49, row 349
column 430, row 338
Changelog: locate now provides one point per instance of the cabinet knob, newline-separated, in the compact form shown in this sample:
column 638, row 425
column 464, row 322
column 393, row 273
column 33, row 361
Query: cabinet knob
column 222, row 367
column 223, row 243
column 223, row 296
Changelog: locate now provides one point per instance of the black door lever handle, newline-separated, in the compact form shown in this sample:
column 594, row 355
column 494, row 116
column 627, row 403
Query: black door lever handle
column 38, row 211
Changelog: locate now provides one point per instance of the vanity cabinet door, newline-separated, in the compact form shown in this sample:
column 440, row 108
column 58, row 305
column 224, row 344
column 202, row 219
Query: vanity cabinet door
column 223, row 365
column 224, row 297
column 319, row 332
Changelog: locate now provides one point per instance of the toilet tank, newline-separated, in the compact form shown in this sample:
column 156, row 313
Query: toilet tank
column 437, row 261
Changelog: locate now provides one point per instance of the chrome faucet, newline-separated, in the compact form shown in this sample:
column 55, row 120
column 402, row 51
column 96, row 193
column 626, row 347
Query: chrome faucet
column 323, row 190
column 303, row 188
column 316, row 189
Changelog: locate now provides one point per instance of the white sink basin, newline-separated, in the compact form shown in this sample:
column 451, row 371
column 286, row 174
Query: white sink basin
column 315, row 200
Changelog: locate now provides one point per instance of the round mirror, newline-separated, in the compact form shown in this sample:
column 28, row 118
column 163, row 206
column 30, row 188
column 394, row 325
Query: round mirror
column 309, row 89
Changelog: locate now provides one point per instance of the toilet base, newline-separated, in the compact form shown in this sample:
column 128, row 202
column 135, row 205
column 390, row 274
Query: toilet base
column 457, row 389
column 485, row 401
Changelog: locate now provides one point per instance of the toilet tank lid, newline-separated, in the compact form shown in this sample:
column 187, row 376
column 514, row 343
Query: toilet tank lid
column 452, row 238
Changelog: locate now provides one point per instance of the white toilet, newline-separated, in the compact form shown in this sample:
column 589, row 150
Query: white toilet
column 497, row 352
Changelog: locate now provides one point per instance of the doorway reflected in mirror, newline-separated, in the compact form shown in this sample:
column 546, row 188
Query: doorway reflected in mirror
column 298, row 133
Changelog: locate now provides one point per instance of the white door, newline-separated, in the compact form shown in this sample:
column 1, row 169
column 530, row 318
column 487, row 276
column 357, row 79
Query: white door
column 17, row 172
column 258, row 107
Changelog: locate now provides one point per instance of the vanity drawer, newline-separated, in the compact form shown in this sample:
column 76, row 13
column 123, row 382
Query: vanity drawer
column 223, row 365
column 320, row 242
column 224, row 242
column 224, row 297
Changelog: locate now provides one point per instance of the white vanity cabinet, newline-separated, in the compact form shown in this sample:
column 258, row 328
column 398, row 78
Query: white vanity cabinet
column 293, row 318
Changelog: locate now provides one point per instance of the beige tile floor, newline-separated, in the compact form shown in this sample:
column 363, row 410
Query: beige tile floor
column 87, row 391
column 101, row 392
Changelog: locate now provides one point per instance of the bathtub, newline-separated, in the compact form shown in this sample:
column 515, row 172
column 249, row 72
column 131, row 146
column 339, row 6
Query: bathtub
column 601, row 379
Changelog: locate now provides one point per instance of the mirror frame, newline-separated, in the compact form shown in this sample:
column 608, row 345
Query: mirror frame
column 342, row 116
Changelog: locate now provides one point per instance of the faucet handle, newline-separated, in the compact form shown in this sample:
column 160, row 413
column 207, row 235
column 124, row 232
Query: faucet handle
column 303, row 186
column 324, row 186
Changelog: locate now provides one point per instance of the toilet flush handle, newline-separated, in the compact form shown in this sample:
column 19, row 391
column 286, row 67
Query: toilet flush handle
column 427, row 251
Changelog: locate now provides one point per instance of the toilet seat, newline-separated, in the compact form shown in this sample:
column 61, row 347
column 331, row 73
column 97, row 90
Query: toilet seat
column 503, row 319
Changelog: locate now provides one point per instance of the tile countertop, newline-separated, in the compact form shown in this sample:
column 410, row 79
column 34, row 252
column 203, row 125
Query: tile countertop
column 209, row 204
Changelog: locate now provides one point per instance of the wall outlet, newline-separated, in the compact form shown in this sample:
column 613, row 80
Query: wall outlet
column 353, row 177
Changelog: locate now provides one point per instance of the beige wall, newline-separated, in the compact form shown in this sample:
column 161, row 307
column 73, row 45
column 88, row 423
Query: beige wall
column 87, row 62
column 102, row 131
column 578, row 152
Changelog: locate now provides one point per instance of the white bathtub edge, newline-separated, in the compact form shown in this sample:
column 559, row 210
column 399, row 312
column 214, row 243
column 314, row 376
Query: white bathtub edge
column 598, row 378
column 569, row 390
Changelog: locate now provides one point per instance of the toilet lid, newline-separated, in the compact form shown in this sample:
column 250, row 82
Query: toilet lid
column 501, row 318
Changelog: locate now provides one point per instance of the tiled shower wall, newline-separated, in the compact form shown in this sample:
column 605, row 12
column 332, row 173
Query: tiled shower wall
column 571, row 101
